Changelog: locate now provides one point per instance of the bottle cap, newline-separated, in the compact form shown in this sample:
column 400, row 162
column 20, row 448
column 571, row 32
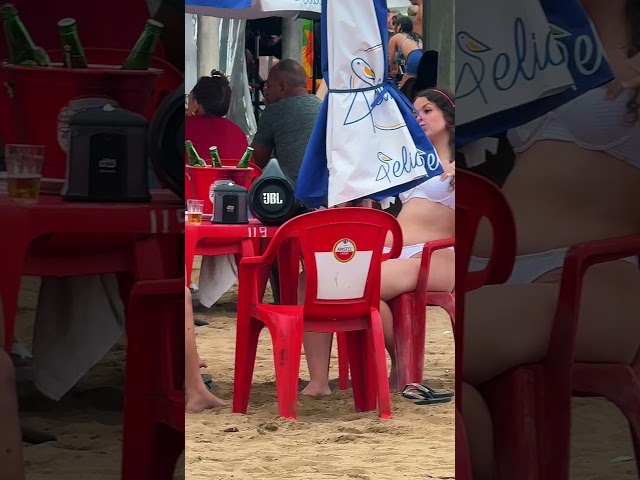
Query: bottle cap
column 155, row 24
column 67, row 23
column 8, row 10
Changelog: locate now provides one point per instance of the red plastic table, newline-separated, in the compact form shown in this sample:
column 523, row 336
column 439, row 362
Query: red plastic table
column 59, row 238
column 217, row 239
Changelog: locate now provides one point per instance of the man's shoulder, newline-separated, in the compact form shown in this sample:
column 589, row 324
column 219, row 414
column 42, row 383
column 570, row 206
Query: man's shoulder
column 308, row 101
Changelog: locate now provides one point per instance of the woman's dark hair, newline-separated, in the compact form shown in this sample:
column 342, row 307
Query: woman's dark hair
column 406, row 26
column 213, row 93
column 446, row 103
column 632, row 12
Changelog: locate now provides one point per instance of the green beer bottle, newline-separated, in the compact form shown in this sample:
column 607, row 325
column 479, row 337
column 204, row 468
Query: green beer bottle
column 192, row 155
column 22, row 50
column 71, row 45
column 215, row 157
column 246, row 158
column 142, row 53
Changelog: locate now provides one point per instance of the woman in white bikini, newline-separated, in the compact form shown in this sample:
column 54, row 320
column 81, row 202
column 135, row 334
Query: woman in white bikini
column 428, row 213
column 575, row 179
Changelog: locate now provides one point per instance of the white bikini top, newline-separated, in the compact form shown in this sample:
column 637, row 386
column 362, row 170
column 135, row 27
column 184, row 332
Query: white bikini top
column 590, row 121
column 434, row 190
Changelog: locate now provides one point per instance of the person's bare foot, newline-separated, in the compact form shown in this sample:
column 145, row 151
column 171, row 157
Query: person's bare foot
column 316, row 390
column 202, row 363
column 203, row 400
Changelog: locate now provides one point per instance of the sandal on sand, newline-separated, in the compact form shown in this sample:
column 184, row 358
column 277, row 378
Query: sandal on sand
column 425, row 395
column 208, row 381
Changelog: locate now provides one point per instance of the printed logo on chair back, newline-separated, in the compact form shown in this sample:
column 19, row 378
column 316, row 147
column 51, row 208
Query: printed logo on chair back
column 343, row 271
column 344, row 250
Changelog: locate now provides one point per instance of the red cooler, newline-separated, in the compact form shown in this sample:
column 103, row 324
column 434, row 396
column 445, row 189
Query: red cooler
column 44, row 99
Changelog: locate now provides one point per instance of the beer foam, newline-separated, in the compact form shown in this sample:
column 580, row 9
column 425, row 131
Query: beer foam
column 23, row 175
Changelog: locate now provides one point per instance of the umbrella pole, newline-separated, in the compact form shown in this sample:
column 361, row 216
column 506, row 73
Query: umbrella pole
column 314, row 90
column 256, row 93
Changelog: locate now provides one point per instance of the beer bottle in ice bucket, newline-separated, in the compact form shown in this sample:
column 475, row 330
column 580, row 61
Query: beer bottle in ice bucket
column 22, row 50
column 71, row 46
column 192, row 155
column 215, row 157
column 246, row 158
column 142, row 53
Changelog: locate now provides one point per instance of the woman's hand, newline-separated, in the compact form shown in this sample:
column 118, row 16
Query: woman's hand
column 616, row 87
column 449, row 171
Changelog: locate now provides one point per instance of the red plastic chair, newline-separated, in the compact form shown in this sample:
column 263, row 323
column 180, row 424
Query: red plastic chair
column 476, row 198
column 409, row 323
column 617, row 383
column 326, row 308
column 530, row 404
column 463, row 462
column 153, row 431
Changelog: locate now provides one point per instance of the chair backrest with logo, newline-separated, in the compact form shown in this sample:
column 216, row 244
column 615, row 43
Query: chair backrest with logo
column 342, row 250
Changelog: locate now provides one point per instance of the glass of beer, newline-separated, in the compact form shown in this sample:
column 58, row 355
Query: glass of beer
column 194, row 211
column 24, row 171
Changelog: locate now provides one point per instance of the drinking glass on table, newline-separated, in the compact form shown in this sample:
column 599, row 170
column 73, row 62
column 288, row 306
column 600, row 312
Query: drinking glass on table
column 194, row 211
column 24, row 171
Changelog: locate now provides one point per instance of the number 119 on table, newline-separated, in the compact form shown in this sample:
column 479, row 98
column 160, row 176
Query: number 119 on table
column 257, row 232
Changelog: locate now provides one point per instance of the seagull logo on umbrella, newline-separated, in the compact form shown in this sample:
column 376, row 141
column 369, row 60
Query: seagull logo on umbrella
column 363, row 71
column 473, row 70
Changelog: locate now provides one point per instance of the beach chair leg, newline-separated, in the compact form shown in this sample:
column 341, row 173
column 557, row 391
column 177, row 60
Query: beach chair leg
column 357, row 351
column 287, row 353
column 378, row 360
column 343, row 361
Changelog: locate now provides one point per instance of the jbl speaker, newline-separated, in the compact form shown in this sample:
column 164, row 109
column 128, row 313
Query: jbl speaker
column 166, row 142
column 271, row 198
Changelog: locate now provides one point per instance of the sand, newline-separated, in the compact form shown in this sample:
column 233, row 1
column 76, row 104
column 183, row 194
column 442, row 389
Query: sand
column 329, row 441
column 87, row 421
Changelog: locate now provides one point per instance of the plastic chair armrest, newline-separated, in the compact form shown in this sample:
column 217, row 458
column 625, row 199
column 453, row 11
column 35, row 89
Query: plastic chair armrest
column 578, row 260
column 425, row 264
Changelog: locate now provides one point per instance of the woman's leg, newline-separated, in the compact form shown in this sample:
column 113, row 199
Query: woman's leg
column 198, row 395
column 477, row 422
column 10, row 436
column 317, row 350
column 401, row 276
column 387, row 326
column 510, row 325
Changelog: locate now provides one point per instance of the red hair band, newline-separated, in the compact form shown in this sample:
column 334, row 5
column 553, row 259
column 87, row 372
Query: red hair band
column 445, row 96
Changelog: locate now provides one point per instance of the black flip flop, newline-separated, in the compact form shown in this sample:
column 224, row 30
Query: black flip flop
column 433, row 401
column 425, row 395
column 208, row 381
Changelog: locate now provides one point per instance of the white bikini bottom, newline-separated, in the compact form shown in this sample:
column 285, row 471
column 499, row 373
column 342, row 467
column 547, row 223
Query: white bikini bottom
column 528, row 268
column 409, row 251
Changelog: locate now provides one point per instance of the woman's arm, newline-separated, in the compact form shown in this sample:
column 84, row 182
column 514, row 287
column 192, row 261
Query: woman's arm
column 393, row 48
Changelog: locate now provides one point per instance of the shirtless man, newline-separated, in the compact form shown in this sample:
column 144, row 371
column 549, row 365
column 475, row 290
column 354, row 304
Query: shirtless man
column 417, row 20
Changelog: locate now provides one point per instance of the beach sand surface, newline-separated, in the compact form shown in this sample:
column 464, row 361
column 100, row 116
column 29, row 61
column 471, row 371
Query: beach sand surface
column 329, row 440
